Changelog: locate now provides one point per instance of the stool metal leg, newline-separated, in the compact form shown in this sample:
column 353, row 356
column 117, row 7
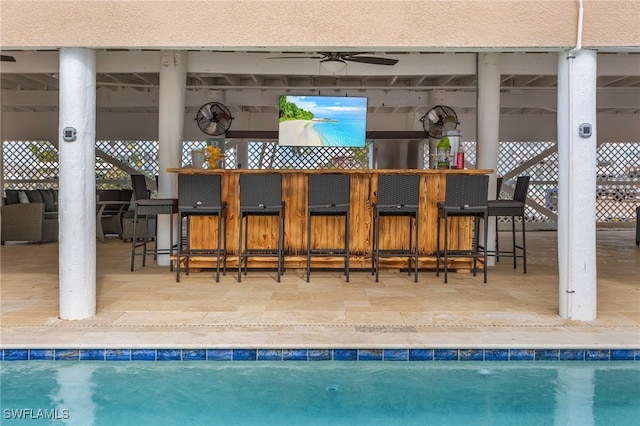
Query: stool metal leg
column 475, row 244
column 224, row 247
column 346, row 246
column 438, row 247
column 415, row 272
column 409, row 259
column 170, row 240
column 524, row 245
column 373, row 250
column 179, row 247
column 377, row 245
column 240, row 249
column 133, row 240
column 497, row 242
column 513, row 240
column 486, row 234
column 280, row 250
column 146, row 238
column 446, row 247
column 218, row 251
column 188, row 245
column 308, row 246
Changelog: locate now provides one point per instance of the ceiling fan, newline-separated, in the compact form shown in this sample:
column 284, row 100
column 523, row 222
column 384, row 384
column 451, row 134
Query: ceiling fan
column 335, row 61
column 7, row 58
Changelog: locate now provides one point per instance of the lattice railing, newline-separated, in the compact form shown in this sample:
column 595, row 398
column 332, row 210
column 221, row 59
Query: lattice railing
column 618, row 182
column 540, row 161
column 270, row 155
column 29, row 165
column 34, row 164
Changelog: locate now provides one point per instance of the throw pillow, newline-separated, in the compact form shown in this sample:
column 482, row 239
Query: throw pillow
column 12, row 196
column 49, row 201
column 22, row 196
column 34, row 196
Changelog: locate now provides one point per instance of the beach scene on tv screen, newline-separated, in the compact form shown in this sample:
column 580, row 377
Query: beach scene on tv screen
column 322, row 121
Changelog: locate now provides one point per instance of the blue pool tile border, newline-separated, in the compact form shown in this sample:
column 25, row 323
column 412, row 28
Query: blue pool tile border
column 339, row 354
column 119, row 354
column 421, row 355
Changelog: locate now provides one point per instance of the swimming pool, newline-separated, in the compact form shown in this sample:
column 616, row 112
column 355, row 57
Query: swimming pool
column 319, row 393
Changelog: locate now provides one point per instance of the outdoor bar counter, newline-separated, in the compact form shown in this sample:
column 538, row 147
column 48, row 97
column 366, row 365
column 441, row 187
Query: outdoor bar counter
column 329, row 231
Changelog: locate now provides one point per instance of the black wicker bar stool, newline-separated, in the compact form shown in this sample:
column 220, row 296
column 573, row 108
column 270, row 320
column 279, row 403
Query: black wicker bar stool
column 201, row 195
column 465, row 196
column 260, row 195
column 399, row 196
column 149, row 208
column 515, row 207
column 328, row 195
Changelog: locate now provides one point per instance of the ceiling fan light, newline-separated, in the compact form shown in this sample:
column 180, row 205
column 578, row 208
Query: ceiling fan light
column 333, row 65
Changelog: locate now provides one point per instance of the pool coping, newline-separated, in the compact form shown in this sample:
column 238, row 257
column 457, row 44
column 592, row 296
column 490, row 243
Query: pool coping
column 315, row 354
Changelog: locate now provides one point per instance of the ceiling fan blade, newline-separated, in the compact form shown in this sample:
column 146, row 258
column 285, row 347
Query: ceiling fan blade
column 7, row 58
column 370, row 60
column 296, row 57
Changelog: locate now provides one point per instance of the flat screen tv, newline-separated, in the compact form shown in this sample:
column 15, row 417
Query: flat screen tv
column 322, row 121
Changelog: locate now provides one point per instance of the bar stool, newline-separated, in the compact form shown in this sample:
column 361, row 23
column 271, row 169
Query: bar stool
column 201, row 195
column 465, row 196
column 149, row 208
column 513, row 208
column 328, row 195
column 398, row 196
column 260, row 195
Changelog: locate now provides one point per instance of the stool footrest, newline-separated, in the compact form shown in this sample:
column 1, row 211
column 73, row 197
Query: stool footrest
column 259, row 252
column 329, row 251
column 396, row 252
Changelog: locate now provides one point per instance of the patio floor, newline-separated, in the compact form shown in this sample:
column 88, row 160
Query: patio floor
column 148, row 309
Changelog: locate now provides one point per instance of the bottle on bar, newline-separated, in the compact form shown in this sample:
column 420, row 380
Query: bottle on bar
column 444, row 148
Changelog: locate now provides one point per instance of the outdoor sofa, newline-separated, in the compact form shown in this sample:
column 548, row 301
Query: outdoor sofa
column 32, row 215
column 29, row 215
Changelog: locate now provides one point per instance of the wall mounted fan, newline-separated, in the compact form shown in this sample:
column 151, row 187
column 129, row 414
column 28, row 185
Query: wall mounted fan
column 214, row 118
column 438, row 120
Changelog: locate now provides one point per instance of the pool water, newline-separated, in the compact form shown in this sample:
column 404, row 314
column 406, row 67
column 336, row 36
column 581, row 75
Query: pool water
column 319, row 393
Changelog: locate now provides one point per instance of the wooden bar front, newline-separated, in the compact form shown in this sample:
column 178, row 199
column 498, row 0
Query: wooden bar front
column 329, row 231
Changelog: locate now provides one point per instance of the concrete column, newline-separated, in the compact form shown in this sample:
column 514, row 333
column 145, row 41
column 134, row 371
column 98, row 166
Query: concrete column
column 77, row 187
column 488, row 127
column 577, row 71
column 242, row 154
column 173, row 80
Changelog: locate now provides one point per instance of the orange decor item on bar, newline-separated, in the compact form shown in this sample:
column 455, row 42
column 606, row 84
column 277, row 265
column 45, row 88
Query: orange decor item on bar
column 213, row 155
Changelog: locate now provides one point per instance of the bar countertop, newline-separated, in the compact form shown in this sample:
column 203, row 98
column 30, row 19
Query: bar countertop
column 191, row 170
